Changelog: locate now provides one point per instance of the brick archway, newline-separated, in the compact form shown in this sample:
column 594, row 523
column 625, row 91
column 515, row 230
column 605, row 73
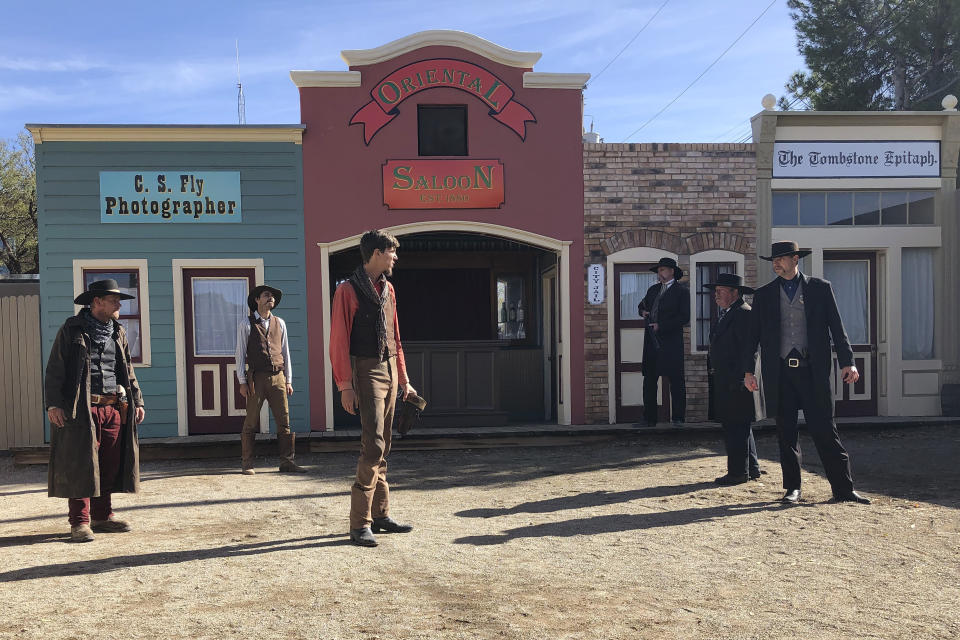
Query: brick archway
column 696, row 243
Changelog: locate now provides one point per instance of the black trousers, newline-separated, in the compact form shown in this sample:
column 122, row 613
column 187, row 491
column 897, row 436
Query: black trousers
column 741, row 449
column 797, row 392
column 678, row 389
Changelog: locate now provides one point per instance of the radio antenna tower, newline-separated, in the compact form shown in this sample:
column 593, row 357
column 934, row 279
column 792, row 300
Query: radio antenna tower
column 241, row 104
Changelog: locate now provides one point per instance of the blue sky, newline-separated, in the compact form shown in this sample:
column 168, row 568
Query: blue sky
column 174, row 62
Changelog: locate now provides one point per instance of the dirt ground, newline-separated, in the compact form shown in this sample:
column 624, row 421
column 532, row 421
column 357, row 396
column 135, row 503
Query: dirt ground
column 625, row 538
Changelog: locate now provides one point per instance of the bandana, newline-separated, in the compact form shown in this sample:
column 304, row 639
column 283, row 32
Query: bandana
column 364, row 286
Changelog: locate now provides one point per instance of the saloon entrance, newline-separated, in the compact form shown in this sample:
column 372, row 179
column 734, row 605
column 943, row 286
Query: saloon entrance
column 479, row 321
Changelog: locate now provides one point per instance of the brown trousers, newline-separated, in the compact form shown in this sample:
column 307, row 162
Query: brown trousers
column 271, row 387
column 375, row 384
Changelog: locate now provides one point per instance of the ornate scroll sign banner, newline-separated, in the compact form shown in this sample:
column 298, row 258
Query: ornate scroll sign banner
column 441, row 72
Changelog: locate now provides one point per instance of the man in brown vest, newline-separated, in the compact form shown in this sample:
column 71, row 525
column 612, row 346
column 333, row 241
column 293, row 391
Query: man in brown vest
column 262, row 347
column 368, row 369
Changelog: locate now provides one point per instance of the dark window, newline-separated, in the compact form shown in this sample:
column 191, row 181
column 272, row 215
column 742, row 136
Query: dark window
column 811, row 209
column 894, row 204
column 921, row 207
column 707, row 310
column 784, row 209
column 866, row 208
column 840, row 207
column 442, row 130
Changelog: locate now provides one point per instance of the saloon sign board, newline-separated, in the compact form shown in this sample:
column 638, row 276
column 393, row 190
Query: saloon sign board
column 170, row 196
column 406, row 81
column 443, row 184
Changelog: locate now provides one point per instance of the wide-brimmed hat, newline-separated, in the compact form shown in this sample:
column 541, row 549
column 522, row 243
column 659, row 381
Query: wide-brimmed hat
column 669, row 262
column 252, row 298
column 99, row 289
column 729, row 280
column 788, row 248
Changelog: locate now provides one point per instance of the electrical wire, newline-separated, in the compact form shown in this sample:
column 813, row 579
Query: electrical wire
column 655, row 14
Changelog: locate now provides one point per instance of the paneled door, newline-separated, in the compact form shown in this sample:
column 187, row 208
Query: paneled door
column 215, row 301
column 630, row 284
column 854, row 278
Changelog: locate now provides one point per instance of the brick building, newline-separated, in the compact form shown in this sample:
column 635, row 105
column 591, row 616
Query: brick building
column 692, row 202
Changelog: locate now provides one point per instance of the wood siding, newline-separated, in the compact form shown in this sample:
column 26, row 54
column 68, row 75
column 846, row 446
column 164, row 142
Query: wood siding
column 21, row 385
column 271, row 184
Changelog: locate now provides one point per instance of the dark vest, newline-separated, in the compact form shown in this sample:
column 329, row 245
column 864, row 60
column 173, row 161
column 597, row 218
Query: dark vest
column 103, row 367
column 265, row 348
column 363, row 334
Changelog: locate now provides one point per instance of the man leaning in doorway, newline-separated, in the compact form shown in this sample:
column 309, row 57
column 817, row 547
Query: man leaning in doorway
column 666, row 308
column 262, row 346
column 368, row 369
column 794, row 319
column 89, row 385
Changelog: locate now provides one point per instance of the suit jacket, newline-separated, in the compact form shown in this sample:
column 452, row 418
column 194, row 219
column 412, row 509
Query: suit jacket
column 823, row 323
column 673, row 314
column 729, row 356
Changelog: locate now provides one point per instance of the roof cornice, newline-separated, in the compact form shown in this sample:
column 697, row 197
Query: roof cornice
column 165, row 133
column 443, row 38
column 544, row 80
column 325, row 78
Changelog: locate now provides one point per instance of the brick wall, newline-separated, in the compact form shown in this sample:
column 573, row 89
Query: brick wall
column 682, row 198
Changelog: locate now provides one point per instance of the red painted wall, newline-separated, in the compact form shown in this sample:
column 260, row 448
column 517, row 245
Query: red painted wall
column 343, row 194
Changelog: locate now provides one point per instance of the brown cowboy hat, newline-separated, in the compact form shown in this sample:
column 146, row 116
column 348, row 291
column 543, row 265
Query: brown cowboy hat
column 252, row 298
column 99, row 289
column 669, row 262
column 729, row 280
column 788, row 248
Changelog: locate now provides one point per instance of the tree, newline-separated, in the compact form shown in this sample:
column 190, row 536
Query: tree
column 18, row 205
column 875, row 54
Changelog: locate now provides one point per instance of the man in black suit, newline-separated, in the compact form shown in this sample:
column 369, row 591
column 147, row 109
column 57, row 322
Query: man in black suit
column 795, row 317
column 730, row 354
column 666, row 308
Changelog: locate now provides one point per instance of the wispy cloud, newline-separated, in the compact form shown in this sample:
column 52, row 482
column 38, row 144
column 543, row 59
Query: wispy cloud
column 46, row 65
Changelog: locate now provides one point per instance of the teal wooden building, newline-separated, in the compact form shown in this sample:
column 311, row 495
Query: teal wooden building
column 188, row 219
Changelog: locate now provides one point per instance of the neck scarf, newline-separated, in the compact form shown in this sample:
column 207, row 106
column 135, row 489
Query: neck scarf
column 364, row 287
column 98, row 331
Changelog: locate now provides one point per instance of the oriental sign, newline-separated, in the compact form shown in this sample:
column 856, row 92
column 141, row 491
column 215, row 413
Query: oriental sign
column 170, row 196
column 874, row 159
column 442, row 72
column 443, row 184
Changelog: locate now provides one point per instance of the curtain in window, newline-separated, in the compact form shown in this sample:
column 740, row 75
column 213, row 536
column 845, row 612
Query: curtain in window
column 851, row 285
column 916, row 271
column 218, row 306
column 633, row 286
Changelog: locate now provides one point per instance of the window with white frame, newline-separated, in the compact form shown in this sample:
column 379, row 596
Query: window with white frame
column 916, row 271
column 131, row 277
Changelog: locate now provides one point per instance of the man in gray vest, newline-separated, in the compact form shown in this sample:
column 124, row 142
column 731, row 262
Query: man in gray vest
column 795, row 317
column 369, row 371
column 263, row 348
column 90, row 388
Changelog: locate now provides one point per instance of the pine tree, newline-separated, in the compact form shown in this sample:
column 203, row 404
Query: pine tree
column 875, row 54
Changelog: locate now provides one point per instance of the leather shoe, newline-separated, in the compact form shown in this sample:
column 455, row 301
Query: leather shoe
column 291, row 467
column 853, row 496
column 730, row 480
column 110, row 525
column 755, row 475
column 363, row 537
column 792, row 496
column 390, row 525
column 81, row 533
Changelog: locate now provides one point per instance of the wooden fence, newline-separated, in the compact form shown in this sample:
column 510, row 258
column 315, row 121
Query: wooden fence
column 21, row 385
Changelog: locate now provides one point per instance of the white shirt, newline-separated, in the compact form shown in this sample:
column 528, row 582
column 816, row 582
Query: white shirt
column 243, row 335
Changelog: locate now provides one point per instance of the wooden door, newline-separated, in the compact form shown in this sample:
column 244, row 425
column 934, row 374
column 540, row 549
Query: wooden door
column 214, row 303
column 854, row 278
column 630, row 284
column 550, row 346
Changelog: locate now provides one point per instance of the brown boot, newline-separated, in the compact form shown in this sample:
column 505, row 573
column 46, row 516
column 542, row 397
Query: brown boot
column 81, row 533
column 247, row 445
column 286, row 443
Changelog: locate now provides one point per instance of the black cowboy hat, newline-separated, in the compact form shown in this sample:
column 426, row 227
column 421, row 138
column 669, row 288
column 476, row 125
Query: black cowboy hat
column 669, row 262
column 729, row 280
column 788, row 248
column 252, row 298
column 99, row 289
